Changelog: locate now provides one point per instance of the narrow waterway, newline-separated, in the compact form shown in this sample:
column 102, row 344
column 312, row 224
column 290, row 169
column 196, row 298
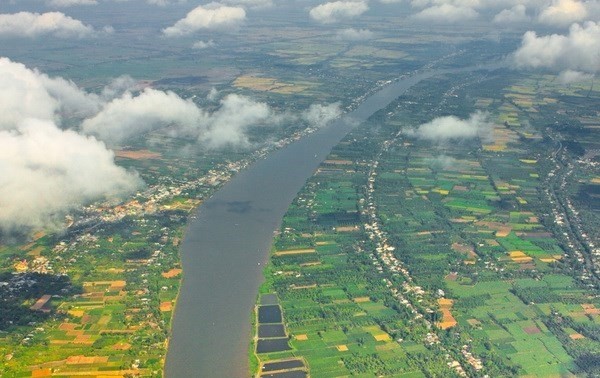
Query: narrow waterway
column 226, row 247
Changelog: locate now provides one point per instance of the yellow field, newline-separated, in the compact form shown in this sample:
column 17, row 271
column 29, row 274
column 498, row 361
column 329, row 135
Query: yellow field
column 448, row 320
column 268, row 84
column 295, row 252
column 519, row 257
column 378, row 333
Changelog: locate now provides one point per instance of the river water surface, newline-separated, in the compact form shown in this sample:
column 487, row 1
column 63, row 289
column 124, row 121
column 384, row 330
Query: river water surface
column 227, row 245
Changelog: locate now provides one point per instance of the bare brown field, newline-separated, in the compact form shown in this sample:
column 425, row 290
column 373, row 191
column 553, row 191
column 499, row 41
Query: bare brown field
column 294, row 287
column 172, row 273
column 347, row 229
column 166, row 306
column 137, row 154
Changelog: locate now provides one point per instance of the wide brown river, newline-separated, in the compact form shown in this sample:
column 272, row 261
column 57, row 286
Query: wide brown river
column 227, row 245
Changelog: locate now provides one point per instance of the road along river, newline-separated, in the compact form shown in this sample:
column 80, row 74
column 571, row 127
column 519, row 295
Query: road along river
column 228, row 243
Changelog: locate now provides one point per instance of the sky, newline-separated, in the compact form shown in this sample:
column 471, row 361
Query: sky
column 51, row 167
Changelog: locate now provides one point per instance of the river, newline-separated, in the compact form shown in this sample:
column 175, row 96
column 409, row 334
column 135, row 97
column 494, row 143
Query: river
column 227, row 245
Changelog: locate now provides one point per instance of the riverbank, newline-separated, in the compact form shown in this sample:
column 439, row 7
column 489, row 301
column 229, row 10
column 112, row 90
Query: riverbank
column 229, row 242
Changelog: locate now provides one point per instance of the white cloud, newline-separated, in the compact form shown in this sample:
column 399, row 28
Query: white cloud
column 579, row 50
column 453, row 128
column 563, row 13
column 447, row 13
column 129, row 116
column 26, row 24
column 118, row 87
column 355, row 34
column 213, row 94
column 318, row 115
column 213, row 16
column 28, row 93
column 69, row 3
column 47, row 171
column 337, row 11
column 549, row 12
column 199, row 45
column 446, row 162
column 518, row 13
column 570, row 76
column 228, row 125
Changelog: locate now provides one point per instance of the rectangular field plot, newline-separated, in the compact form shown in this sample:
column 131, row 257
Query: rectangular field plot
column 271, row 330
column 269, row 314
column 272, row 345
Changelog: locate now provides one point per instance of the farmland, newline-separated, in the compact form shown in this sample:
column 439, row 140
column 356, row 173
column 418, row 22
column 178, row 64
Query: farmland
column 448, row 258
column 400, row 257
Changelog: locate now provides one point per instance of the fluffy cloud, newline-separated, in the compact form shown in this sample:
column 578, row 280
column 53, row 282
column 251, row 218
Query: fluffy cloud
column 211, row 16
column 576, row 51
column 570, row 76
column 26, row 24
column 518, row 13
column 549, row 12
column 563, row 13
column 47, row 171
column 447, row 13
column 128, row 116
column 338, row 10
column 69, row 3
column 318, row 115
column 453, row 128
column 30, row 94
column 199, row 45
column 228, row 125
column 445, row 162
column 118, row 87
column 355, row 34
